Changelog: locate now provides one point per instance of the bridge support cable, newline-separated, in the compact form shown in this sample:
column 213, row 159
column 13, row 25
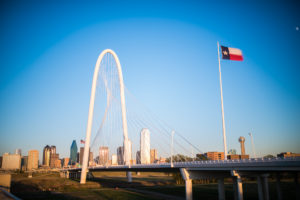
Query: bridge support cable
column 159, row 123
column 144, row 116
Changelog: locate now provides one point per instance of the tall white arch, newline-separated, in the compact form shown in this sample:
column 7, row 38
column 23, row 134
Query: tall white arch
column 91, row 112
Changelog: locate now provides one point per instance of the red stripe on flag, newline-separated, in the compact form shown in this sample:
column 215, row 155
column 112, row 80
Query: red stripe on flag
column 236, row 57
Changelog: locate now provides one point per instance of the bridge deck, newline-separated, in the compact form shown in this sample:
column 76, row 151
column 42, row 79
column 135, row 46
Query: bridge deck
column 270, row 165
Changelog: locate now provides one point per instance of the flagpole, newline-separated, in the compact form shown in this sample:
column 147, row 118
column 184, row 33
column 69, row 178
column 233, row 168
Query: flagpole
column 223, row 120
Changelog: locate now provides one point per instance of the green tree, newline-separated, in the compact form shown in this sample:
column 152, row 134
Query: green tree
column 269, row 156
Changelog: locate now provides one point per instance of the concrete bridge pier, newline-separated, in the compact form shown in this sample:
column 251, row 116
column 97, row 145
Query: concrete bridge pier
column 188, row 175
column 278, row 188
column 263, row 187
column 188, row 184
column 221, row 189
column 129, row 177
column 237, row 185
column 297, row 186
column 29, row 174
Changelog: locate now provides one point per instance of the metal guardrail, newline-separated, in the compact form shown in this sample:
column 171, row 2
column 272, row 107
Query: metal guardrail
column 8, row 194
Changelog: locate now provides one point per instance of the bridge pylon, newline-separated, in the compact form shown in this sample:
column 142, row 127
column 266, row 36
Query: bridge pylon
column 91, row 112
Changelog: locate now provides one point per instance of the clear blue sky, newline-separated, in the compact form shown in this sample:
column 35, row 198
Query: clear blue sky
column 168, row 51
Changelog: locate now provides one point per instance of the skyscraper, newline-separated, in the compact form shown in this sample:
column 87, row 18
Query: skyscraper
column 81, row 152
column 33, row 159
column 46, row 155
column 53, row 149
column 145, row 146
column 153, row 155
column 138, row 157
column 120, row 155
column 80, row 156
column 91, row 159
column 103, row 155
column 73, row 153
column 53, row 159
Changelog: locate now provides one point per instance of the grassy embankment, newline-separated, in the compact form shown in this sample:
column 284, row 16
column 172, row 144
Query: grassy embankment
column 114, row 185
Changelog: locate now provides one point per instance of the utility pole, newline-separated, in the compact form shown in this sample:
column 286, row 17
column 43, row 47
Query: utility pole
column 172, row 135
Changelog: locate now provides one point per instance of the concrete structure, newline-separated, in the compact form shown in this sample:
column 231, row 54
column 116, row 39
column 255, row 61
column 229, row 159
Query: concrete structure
column 5, row 181
column 46, row 155
column 153, row 156
column 145, row 146
column 53, row 158
column 288, row 155
column 214, row 155
column 33, row 159
column 114, row 159
column 103, row 155
column 242, row 141
column 18, row 151
column 73, row 153
column 11, row 161
column 120, row 155
column 218, row 169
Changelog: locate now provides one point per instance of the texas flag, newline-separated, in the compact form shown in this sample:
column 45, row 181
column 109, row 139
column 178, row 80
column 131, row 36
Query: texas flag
column 82, row 142
column 231, row 53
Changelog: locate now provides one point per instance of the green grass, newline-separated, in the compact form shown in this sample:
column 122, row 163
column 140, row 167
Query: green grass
column 115, row 186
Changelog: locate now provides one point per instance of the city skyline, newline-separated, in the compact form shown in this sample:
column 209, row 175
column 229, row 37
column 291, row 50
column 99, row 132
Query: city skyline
column 169, row 57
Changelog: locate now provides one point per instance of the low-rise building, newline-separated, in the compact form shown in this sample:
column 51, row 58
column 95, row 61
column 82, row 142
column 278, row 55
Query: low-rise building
column 11, row 161
column 237, row 157
column 214, row 155
column 288, row 155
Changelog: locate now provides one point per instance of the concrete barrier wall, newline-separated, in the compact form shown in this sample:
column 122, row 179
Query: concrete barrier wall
column 5, row 180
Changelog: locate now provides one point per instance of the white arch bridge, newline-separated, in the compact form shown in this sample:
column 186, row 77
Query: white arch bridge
column 108, row 68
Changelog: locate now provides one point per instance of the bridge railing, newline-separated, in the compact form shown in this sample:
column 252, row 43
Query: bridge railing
column 203, row 163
